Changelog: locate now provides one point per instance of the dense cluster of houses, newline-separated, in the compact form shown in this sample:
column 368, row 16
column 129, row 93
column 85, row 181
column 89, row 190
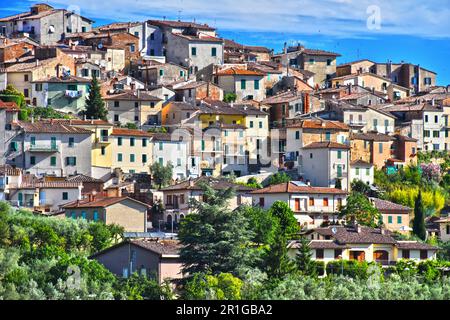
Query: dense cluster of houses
column 226, row 108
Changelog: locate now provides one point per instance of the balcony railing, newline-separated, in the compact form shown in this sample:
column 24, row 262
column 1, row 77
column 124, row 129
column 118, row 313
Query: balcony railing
column 43, row 148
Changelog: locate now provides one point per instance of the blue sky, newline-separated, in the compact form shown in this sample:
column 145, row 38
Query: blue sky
column 415, row 31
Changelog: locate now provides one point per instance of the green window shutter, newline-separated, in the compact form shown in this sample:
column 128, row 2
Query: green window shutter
column 132, row 158
column 380, row 147
column 119, row 157
column 203, row 145
column 243, row 84
column 65, row 196
column 260, row 125
column 339, row 156
column 33, row 141
column 256, row 84
column 390, row 219
column 194, row 51
column 161, row 72
column 161, row 146
column 214, row 52
column 399, row 219
column 251, row 124
column 95, row 215
column 132, row 142
column 14, row 146
column 297, row 135
column 144, row 142
column 53, row 161
column 33, row 160
column 357, row 171
column 119, row 141
column 144, row 158
column 161, row 161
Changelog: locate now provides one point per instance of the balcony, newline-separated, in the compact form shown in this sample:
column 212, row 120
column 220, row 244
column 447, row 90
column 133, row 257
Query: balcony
column 43, row 148
column 73, row 94
column 103, row 140
column 356, row 123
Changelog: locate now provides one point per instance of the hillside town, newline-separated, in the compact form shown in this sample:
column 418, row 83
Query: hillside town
column 139, row 124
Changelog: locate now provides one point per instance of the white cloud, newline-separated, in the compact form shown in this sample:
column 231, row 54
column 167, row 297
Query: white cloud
column 339, row 18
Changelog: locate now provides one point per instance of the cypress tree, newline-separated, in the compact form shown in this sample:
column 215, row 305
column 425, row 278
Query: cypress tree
column 304, row 261
column 419, row 218
column 95, row 106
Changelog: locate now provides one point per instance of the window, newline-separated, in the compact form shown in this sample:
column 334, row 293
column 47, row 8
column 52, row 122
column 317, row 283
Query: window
column 339, row 154
column 181, row 73
column 375, row 123
column 337, row 253
column 399, row 219
column 327, row 136
column 65, row 196
column 71, row 142
column 380, row 148
column 119, row 157
column 423, row 254
column 38, row 87
column 95, row 215
column 297, row 135
column 136, row 105
column 310, row 155
column 161, row 72
column 426, row 133
column 144, row 158
column 33, row 141
column 213, row 52
column 161, row 161
column 132, row 142
column 405, row 254
column 152, row 36
column 71, row 161
column 116, row 118
column 116, row 104
column 203, row 145
column 14, row 146
column 144, row 142
column 161, row 146
column 53, row 161
column 119, row 141
column 390, row 220
column 132, row 48
column 329, row 61
column 312, row 61
column 357, row 171
column 427, row 81
column 339, row 171
column 256, row 84
column 319, row 254
column 26, row 93
column 103, row 150
column 436, row 134
column 193, row 51
column 243, row 84
column 261, row 202
column 251, row 124
column 325, row 202
column 25, row 78
column 83, row 215
column 447, row 229
column 178, row 162
column 260, row 124
column 32, row 160
column 367, row 171
column 74, row 215
column 436, row 119
column 136, row 118
column 311, row 201
column 132, row 158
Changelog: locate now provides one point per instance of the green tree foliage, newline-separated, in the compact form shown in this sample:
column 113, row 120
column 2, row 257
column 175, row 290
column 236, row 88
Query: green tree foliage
column 229, row 97
column 139, row 287
column 11, row 94
column 359, row 209
column 224, row 286
column 130, row 125
column 95, row 106
column 253, row 183
column 277, row 178
column 303, row 259
column 419, row 218
column 215, row 240
column 360, row 187
column 262, row 223
column 161, row 175
column 288, row 224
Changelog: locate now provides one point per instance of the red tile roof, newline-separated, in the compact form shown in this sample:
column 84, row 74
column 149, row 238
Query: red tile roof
column 320, row 124
column 326, row 145
column 100, row 203
column 51, row 127
column 290, row 187
column 239, row 72
column 130, row 132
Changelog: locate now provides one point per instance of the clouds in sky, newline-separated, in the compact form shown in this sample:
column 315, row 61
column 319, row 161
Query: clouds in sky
column 339, row 18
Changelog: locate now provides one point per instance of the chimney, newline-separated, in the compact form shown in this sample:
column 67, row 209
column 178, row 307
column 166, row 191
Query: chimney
column 358, row 228
column 433, row 102
column 308, row 183
column 37, row 62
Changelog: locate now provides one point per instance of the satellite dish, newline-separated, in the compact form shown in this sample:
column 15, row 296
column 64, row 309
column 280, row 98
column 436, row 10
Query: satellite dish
column 334, row 230
column 100, row 45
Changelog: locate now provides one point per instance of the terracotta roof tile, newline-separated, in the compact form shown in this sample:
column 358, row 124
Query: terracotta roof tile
column 100, row 203
column 215, row 183
column 239, row 72
column 384, row 205
column 320, row 124
column 290, row 187
column 51, row 127
column 326, row 145
column 130, row 132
